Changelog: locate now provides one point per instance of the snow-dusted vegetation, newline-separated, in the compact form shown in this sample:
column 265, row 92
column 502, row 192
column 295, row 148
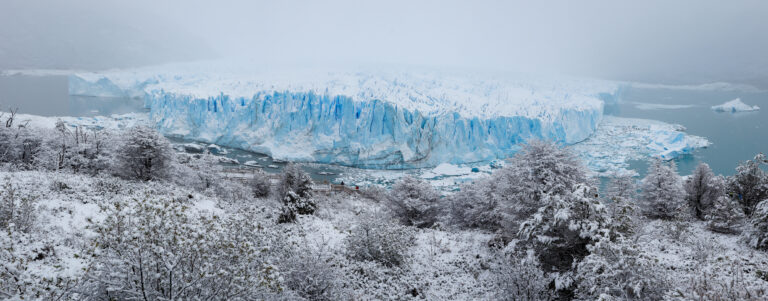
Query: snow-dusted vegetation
column 119, row 215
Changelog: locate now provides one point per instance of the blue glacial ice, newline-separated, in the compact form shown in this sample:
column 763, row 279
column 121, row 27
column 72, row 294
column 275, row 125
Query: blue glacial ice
column 376, row 119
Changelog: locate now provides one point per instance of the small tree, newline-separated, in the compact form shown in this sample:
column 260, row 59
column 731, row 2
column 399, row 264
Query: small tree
column 414, row 202
column 750, row 183
column 295, row 191
column 260, row 184
column 700, row 195
column 662, row 191
column 621, row 187
column 144, row 154
column 564, row 226
column 725, row 216
column 758, row 234
column 514, row 193
column 620, row 192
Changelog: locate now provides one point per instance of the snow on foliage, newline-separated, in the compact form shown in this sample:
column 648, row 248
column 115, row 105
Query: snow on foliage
column 700, row 192
column 750, row 183
column 144, row 154
column 295, row 189
column 413, row 202
column 757, row 237
column 724, row 214
column 536, row 229
column 563, row 227
column 617, row 270
column 375, row 239
column 152, row 249
column 662, row 191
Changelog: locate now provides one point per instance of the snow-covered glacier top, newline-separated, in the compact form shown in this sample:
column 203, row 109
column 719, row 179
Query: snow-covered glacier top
column 380, row 118
column 430, row 93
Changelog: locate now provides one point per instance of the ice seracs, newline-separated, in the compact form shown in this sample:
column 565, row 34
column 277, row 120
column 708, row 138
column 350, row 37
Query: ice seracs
column 374, row 119
column 734, row 106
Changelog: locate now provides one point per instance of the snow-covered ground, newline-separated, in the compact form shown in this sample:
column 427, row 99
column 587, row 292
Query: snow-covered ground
column 443, row 264
column 734, row 106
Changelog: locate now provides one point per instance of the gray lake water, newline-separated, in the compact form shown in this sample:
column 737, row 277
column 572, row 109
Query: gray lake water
column 735, row 137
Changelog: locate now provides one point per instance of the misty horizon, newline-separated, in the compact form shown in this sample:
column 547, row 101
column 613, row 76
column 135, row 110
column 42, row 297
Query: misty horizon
column 687, row 42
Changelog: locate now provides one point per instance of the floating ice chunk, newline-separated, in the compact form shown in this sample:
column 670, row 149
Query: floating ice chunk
column 620, row 140
column 446, row 170
column 252, row 164
column 734, row 106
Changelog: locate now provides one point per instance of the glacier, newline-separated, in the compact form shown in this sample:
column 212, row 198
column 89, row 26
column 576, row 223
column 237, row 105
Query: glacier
column 370, row 119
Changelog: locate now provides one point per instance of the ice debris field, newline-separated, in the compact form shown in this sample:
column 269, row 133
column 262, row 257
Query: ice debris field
column 374, row 119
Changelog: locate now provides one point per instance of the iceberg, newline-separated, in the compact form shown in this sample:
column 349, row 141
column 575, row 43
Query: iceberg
column 373, row 119
column 734, row 106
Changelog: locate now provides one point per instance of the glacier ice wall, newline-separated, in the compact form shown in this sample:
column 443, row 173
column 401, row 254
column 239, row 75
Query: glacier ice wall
column 358, row 119
column 304, row 126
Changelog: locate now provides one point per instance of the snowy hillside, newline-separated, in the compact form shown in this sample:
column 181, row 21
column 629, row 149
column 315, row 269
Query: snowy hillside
column 375, row 119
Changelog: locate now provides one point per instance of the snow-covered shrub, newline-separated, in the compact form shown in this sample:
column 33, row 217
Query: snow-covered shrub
column 375, row 239
column 662, row 191
column 699, row 192
column 474, row 206
column 199, row 171
column 375, row 192
column 617, row 270
column 32, row 269
column 295, row 191
column 311, row 274
column 564, row 226
column 260, row 184
column 144, row 155
column 750, row 183
column 159, row 249
column 521, row 278
column 725, row 215
column 17, row 209
column 757, row 236
column 231, row 191
column 77, row 149
column 708, row 286
column 413, row 202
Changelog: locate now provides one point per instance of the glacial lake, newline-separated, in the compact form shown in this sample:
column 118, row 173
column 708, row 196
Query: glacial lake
column 735, row 137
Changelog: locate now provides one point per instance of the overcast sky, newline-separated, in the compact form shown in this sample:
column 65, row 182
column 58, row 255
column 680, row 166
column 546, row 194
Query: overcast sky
column 655, row 41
